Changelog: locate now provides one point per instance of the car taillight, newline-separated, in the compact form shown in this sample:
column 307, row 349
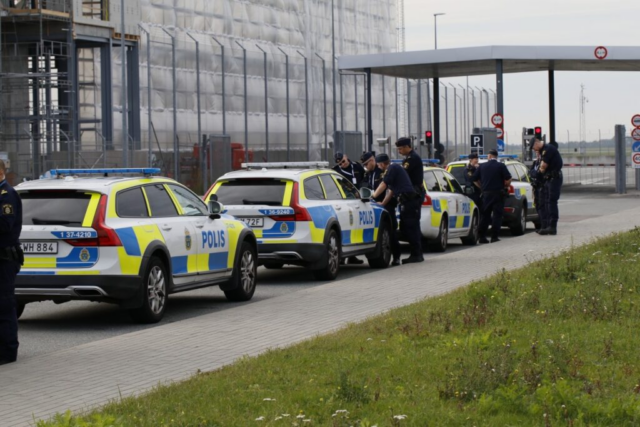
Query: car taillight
column 427, row 201
column 299, row 213
column 512, row 190
column 509, row 210
column 106, row 236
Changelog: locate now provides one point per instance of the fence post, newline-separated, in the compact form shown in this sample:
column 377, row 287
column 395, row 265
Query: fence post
column 200, row 140
column 266, row 102
column 621, row 159
column 324, row 90
column 176, row 146
column 286, row 66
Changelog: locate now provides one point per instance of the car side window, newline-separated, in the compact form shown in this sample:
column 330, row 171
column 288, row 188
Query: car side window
column 349, row 190
column 524, row 173
column 313, row 189
column 443, row 182
column 330, row 187
column 431, row 181
column 457, row 188
column 514, row 172
column 131, row 204
column 190, row 203
column 160, row 201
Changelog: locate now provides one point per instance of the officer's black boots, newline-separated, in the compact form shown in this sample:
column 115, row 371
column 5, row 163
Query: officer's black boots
column 494, row 239
column 483, row 240
column 549, row 231
column 354, row 260
column 413, row 259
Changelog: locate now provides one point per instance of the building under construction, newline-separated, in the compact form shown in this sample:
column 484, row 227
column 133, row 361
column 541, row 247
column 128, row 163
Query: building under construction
column 200, row 77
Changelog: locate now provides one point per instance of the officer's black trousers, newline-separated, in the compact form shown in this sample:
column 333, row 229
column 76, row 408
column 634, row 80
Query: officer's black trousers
column 552, row 190
column 410, row 212
column 8, row 317
column 542, row 206
column 492, row 213
column 395, row 242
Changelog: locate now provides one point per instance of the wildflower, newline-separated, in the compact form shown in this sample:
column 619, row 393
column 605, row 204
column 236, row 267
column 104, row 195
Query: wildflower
column 594, row 254
column 342, row 411
column 399, row 417
column 307, row 420
column 300, row 417
column 268, row 399
column 278, row 418
column 383, row 340
column 286, row 415
column 260, row 419
column 369, row 339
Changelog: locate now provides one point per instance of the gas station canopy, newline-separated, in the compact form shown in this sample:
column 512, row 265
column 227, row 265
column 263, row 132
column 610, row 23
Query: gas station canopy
column 474, row 61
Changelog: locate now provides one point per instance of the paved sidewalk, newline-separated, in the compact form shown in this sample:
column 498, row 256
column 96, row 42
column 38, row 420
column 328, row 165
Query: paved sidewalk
column 88, row 375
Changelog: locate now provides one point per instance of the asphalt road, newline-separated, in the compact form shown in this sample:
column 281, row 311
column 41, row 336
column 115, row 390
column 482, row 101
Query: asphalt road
column 46, row 327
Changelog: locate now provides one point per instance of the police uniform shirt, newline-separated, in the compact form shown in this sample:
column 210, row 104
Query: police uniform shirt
column 10, row 216
column 373, row 180
column 492, row 175
column 354, row 173
column 413, row 165
column 469, row 172
column 398, row 180
column 551, row 156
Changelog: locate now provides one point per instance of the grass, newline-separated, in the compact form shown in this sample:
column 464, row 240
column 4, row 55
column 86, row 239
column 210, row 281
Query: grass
column 552, row 344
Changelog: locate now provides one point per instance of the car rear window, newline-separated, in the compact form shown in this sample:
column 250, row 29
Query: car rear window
column 54, row 207
column 252, row 192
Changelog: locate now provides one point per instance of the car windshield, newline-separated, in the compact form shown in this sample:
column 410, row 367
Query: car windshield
column 54, row 207
column 252, row 192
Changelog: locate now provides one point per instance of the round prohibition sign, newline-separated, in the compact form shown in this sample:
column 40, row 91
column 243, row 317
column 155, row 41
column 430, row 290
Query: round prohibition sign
column 497, row 120
column 635, row 134
column 635, row 159
column 635, row 121
column 601, row 52
column 500, row 133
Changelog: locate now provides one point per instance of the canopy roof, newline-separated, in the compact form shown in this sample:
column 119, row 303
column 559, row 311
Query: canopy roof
column 472, row 61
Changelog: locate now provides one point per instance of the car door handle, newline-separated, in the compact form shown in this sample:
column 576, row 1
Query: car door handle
column 166, row 227
column 199, row 225
column 338, row 208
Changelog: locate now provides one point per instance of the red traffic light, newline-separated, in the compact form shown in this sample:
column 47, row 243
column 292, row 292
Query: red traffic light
column 429, row 134
column 538, row 130
column 428, row 137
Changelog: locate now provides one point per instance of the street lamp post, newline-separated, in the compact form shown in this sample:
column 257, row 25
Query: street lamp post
column 435, row 27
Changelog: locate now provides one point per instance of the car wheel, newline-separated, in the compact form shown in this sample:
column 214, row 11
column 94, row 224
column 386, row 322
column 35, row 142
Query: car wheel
column 273, row 265
column 155, row 295
column 440, row 242
column 244, row 275
column 520, row 225
column 331, row 269
column 384, row 250
column 472, row 238
column 20, row 308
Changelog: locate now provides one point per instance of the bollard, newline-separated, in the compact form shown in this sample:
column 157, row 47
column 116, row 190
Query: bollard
column 621, row 159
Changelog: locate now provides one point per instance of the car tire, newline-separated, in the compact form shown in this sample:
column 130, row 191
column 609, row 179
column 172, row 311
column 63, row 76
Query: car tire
column 20, row 308
column 439, row 244
column 273, row 265
column 245, row 275
column 332, row 267
column 520, row 225
column 472, row 238
column 384, row 249
column 154, row 293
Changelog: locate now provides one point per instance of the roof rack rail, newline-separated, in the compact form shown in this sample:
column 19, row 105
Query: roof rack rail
column 59, row 173
column 286, row 165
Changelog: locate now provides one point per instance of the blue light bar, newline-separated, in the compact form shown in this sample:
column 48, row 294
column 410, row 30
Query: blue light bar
column 104, row 172
column 484, row 156
column 436, row 161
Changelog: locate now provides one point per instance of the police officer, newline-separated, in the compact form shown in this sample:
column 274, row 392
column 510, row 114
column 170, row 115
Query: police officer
column 373, row 178
column 412, row 163
column 551, row 170
column 469, row 171
column 396, row 179
column 493, row 178
column 11, row 258
column 537, row 182
column 354, row 172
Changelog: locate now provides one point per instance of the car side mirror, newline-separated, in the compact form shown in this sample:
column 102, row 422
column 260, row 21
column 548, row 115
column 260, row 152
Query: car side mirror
column 213, row 197
column 215, row 209
column 366, row 194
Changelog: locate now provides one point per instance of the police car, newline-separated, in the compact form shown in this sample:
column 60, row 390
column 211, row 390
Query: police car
column 305, row 214
column 447, row 212
column 125, row 236
column 519, row 206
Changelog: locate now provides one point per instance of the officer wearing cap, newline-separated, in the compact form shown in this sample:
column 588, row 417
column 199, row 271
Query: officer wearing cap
column 537, row 182
column 11, row 258
column 373, row 178
column 472, row 191
column 396, row 179
column 551, row 171
column 412, row 163
column 354, row 172
column 492, row 177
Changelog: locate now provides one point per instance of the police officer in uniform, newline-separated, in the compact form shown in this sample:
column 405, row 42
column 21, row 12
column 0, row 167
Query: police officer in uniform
column 354, row 172
column 412, row 163
column 469, row 171
column 373, row 178
column 537, row 182
column 11, row 258
column 493, row 178
column 397, row 180
column 551, row 170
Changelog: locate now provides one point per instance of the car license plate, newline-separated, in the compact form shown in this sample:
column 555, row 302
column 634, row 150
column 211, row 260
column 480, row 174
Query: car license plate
column 253, row 222
column 40, row 247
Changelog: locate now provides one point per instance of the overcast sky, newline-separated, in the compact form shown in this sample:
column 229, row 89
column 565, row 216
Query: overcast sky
column 613, row 97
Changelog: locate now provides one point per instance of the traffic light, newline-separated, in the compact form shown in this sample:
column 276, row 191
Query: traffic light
column 538, row 133
column 439, row 154
column 428, row 137
column 530, row 131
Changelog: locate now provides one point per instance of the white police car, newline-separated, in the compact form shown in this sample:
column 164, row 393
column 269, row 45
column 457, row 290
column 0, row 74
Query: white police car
column 447, row 213
column 101, row 235
column 519, row 207
column 305, row 214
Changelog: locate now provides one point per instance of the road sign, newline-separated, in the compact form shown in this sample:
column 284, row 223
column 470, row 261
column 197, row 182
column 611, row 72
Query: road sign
column 635, row 121
column 601, row 52
column 636, row 147
column 635, row 134
column 500, row 144
column 497, row 120
column 477, row 141
column 499, row 133
column 635, row 160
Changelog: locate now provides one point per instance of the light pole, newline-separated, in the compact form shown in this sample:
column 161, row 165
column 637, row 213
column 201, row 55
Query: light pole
column 435, row 27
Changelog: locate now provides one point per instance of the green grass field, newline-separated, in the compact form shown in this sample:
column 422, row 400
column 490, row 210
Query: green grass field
column 553, row 344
